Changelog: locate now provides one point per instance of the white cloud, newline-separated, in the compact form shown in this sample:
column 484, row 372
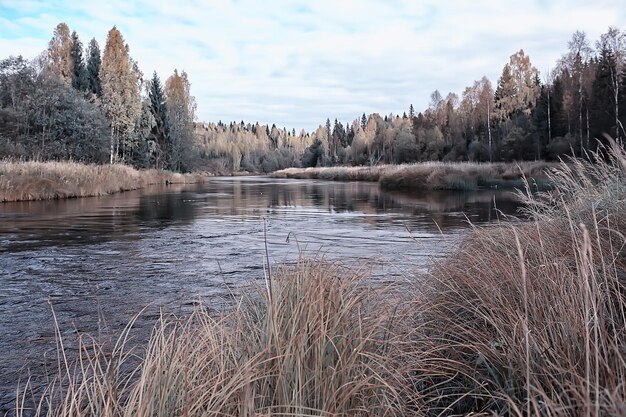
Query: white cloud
column 296, row 63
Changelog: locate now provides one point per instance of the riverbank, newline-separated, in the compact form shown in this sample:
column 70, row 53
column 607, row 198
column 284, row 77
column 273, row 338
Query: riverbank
column 462, row 176
column 25, row 181
column 525, row 318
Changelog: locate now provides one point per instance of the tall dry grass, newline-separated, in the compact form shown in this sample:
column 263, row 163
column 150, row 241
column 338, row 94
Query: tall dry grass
column 526, row 318
column 318, row 344
column 20, row 181
column 433, row 175
column 530, row 318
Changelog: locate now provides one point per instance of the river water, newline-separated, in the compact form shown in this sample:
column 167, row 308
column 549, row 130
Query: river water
column 99, row 261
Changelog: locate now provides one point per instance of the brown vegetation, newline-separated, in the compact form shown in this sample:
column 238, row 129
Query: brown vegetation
column 433, row 175
column 21, row 181
column 524, row 319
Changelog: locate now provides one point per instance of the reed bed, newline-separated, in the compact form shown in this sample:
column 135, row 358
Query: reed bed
column 530, row 318
column 526, row 318
column 433, row 175
column 22, row 181
column 317, row 343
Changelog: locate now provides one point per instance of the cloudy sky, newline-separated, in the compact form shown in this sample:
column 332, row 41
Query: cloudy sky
column 295, row 63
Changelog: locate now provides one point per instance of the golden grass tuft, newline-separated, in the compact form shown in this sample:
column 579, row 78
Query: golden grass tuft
column 530, row 318
column 319, row 345
column 23, row 181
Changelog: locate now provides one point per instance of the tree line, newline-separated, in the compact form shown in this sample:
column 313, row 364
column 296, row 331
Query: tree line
column 98, row 107
column 93, row 106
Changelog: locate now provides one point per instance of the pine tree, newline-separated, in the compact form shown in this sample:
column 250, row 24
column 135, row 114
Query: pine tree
column 60, row 53
column 363, row 121
column 411, row 112
column 93, row 68
column 80, row 79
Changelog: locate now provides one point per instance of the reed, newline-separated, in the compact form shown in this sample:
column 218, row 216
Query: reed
column 317, row 344
column 22, row 181
column 433, row 175
column 529, row 318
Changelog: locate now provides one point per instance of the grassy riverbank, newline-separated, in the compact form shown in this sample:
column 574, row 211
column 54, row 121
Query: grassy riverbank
column 432, row 175
column 525, row 318
column 20, row 181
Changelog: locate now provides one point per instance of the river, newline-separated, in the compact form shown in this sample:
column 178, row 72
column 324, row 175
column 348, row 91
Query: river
column 99, row 261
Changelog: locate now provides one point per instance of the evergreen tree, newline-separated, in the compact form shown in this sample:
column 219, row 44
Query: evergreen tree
column 93, row 68
column 80, row 79
column 603, row 105
column 411, row 112
column 363, row 121
column 160, row 129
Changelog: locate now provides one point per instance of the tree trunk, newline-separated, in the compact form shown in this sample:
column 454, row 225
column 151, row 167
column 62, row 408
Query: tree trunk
column 489, row 131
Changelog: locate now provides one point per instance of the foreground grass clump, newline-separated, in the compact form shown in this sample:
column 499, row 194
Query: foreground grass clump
column 530, row 318
column 20, row 181
column 316, row 344
column 432, row 175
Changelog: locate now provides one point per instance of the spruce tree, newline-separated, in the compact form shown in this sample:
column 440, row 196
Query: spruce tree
column 363, row 121
column 79, row 78
column 602, row 102
column 158, row 108
column 93, row 68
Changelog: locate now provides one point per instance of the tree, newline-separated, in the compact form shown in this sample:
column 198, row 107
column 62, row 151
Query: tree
column 181, row 107
column 60, row 54
column 121, row 101
column 160, row 129
column 93, row 68
column 603, row 106
column 411, row 112
column 363, row 121
column 80, row 79
column 614, row 42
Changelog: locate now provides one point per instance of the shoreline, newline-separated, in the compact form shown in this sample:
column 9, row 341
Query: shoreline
column 33, row 181
column 465, row 176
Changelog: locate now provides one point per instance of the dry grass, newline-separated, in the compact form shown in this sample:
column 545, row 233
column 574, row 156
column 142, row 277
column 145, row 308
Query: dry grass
column 21, row 181
column 530, row 318
column 524, row 319
column 432, row 175
column 318, row 345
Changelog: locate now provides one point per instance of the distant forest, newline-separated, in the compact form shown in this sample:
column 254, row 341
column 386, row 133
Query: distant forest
column 98, row 107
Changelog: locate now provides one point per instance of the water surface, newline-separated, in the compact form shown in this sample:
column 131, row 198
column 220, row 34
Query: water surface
column 99, row 261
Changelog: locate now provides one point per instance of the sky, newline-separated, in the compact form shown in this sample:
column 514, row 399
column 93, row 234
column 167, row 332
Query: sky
column 296, row 63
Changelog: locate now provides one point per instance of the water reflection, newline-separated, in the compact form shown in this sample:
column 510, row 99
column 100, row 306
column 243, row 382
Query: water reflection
column 101, row 260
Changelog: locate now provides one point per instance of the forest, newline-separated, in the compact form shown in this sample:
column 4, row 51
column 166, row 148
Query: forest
column 93, row 106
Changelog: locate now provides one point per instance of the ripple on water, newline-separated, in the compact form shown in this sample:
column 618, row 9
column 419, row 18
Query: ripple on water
column 100, row 261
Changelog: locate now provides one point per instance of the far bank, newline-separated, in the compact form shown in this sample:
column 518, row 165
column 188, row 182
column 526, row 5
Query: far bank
column 462, row 176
